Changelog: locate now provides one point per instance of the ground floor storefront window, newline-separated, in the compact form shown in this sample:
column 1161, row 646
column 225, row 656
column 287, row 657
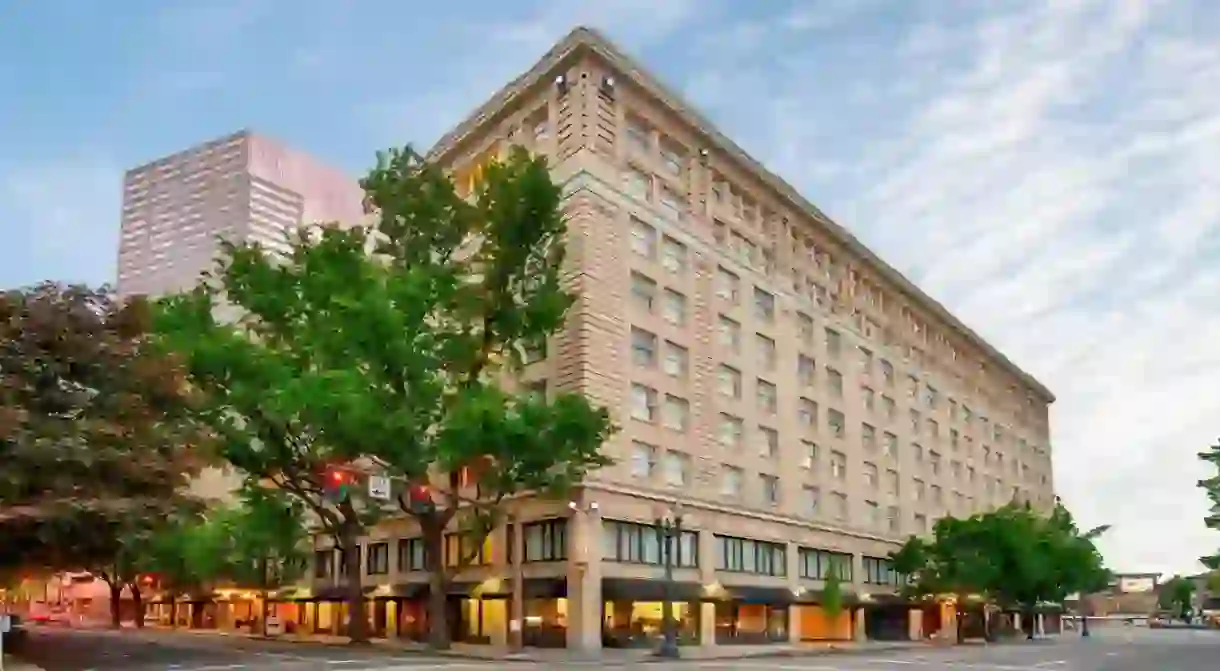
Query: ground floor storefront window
column 412, row 619
column 750, row 623
column 639, row 623
column 477, row 620
column 818, row 625
column 546, row 623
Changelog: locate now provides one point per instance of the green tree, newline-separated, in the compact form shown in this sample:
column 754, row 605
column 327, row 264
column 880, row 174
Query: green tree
column 1211, row 486
column 392, row 361
column 1177, row 596
column 96, row 436
column 1014, row 555
column 832, row 593
column 266, row 542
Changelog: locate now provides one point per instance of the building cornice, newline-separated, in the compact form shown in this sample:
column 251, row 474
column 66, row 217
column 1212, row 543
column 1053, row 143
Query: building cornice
column 583, row 40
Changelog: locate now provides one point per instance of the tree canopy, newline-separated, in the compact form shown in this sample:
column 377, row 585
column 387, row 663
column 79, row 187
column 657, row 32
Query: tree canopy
column 1177, row 595
column 95, row 428
column 1211, row 456
column 1014, row 556
column 394, row 348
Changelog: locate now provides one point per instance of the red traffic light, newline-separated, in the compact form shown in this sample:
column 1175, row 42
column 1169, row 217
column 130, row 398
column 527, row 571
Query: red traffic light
column 336, row 476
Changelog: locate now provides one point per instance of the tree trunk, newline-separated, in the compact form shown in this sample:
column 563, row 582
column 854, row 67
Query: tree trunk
column 138, row 600
column 173, row 612
column 1027, row 619
column 438, row 587
column 357, row 618
column 116, row 602
column 264, row 579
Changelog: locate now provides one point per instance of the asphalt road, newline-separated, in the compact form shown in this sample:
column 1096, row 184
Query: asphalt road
column 63, row 649
column 1117, row 649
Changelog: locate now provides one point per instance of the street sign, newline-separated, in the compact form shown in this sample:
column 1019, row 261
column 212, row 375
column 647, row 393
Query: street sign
column 379, row 487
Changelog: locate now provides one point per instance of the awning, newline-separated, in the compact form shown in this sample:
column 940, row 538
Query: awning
column 336, row 592
column 758, row 595
column 883, row 599
column 638, row 589
column 815, row 597
column 496, row 588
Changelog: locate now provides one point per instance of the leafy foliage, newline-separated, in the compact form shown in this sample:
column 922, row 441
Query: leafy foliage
column 95, row 430
column 385, row 348
column 832, row 595
column 1012, row 555
column 1177, row 596
column 1212, row 487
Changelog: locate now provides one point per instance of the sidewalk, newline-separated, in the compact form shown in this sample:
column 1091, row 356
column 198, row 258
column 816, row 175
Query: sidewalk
column 13, row 664
column 554, row 655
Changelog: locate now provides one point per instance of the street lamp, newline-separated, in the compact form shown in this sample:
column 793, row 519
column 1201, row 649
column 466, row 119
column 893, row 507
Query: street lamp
column 669, row 534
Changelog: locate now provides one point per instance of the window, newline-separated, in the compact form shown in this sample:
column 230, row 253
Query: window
column 643, row 457
column 638, row 183
column 868, row 437
column 878, row 571
column 764, row 306
column 729, row 333
column 893, row 522
column 770, row 489
column 812, row 497
column 344, row 568
column 872, row 515
column 834, row 343
column 917, row 452
column 741, row 555
column 869, row 398
column 836, row 422
column 887, row 372
column 323, row 564
column 891, row 482
column 866, row 360
column 766, row 397
column 921, row 493
column 676, row 413
column 673, row 203
column 953, row 438
column 891, row 445
column 730, row 483
column 643, row 239
column 834, row 382
column 916, row 422
column 819, row 564
column 769, row 446
column 838, row 465
column 545, row 541
column 933, row 428
column 677, row 360
column 805, row 370
column 676, row 469
column 643, row 403
column 633, row 543
column 643, row 347
column 938, row 495
column 765, row 350
column 809, row 457
column 536, row 390
column 807, row 413
column 673, row 255
column 731, row 430
column 674, row 307
column 729, row 382
column 921, row 523
column 377, row 561
column 888, row 408
column 838, row 506
column 672, row 159
column 804, row 328
column 934, row 461
column 643, row 292
column 465, row 550
column 411, row 555
column 728, row 285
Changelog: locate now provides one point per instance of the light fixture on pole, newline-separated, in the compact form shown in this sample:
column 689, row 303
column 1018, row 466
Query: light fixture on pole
column 668, row 525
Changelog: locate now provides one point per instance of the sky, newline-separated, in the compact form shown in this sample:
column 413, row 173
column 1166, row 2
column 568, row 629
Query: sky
column 1045, row 168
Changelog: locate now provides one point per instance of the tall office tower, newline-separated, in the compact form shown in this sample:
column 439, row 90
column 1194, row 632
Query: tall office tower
column 799, row 404
column 242, row 186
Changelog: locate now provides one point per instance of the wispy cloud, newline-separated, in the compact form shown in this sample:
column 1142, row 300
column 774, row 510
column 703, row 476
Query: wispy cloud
column 1043, row 167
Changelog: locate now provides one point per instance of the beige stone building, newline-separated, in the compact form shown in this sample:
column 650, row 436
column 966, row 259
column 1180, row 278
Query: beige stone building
column 803, row 403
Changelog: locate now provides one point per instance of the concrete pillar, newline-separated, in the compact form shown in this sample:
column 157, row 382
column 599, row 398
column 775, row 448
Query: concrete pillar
column 860, row 633
column 1040, row 624
column 391, row 620
column 707, row 624
column 707, row 576
column 516, row 616
column 794, row 623
column 915, row 624
column 584, row 581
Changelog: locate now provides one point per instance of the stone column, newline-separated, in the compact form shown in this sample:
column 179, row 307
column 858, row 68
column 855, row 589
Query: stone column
column 860, row 633
column 707, row 576
column 584, row 581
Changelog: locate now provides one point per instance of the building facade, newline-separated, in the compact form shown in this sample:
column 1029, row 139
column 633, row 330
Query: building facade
column 804, row 405
column 241, row 187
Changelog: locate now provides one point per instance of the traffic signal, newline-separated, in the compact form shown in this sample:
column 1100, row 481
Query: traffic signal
column 420, row 498
column 337, row 485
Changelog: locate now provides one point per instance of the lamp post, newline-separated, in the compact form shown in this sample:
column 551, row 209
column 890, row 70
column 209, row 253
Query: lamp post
column 669, row 533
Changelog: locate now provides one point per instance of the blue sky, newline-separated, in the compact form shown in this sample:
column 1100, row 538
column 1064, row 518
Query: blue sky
column 1045, row 168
